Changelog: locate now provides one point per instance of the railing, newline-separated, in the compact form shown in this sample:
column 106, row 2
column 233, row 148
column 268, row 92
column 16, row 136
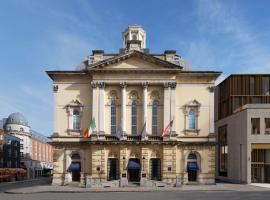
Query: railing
column 133, row 138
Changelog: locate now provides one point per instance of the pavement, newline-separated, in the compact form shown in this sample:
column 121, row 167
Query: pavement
column 72, row 189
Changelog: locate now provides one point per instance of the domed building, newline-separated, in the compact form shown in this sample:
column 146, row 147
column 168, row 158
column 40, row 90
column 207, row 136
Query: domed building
column 151, row 118
column 32, row 145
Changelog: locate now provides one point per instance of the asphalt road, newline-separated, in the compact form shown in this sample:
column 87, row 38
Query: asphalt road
column 183, row 195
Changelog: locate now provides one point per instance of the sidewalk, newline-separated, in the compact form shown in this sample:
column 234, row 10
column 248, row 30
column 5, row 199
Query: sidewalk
column 69, row 189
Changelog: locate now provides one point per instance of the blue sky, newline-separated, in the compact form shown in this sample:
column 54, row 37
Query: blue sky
column 230, row 36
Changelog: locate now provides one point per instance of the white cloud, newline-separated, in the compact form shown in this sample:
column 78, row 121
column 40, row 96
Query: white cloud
column 226, row 41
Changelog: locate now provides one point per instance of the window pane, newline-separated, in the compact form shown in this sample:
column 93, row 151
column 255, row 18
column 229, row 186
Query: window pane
column 265, row 85
column 251, row 85
column 255, row 125
column 267, row 125
column 76, row 120
column 155, row 118
column 191, row 120
column 113, row 118
column 134, row 118
column 223, row 150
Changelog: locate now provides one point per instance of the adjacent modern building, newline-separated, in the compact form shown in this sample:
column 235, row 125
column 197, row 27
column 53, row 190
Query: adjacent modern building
column 243, row 128
column 133, row 92
column 35, row 151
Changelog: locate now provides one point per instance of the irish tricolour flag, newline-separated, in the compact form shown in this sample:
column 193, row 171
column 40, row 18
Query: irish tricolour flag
column 92, row 127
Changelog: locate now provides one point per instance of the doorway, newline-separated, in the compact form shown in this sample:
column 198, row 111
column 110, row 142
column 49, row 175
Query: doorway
column 155, row 167
column 192, row 167
column 75, row 168
column 113, row 169
column 134, row 169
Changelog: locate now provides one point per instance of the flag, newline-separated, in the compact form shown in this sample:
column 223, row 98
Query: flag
column 143, row 132
column 119, row 131
column 167, row 129
column 85, row 132
column 92, row 127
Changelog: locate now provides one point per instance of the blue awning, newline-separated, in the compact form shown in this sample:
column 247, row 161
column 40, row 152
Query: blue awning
column 192, row 166
column 75, row 167
column 133, row 165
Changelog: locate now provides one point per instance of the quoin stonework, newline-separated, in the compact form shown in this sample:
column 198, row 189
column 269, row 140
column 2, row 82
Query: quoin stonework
column 131, row 97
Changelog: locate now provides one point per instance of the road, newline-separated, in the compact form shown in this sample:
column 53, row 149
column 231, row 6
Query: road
column 179, row 195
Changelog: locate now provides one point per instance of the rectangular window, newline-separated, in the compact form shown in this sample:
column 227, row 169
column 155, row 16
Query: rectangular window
column 255, row 99
column 265, row 85
column 255, row 126
column 21, row 155
column 21, row 146
column 267, row 125
column 222, row 150
column 251, row 85
column 236, row 102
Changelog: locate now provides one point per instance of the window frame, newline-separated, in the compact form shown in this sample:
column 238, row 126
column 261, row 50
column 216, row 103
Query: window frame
column 76, row 120
column 134, row 120
column 113, row 117
column 155, row 118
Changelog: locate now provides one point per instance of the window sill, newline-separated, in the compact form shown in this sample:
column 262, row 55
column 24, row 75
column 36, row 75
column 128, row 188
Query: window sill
column 192, row 132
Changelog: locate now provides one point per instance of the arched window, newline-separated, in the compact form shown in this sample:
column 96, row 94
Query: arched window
column 113, row 118
column 191, row 119
column 76, row 120
column 134, row 118
column 155, row 118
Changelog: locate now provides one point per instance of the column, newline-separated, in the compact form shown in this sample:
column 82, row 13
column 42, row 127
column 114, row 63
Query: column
column 173, row 104
column 55, row 107
column 101, row 105
column 145, row 86
column 167, row 91
column 123, row 86
column 211, row 110
column 95, row 103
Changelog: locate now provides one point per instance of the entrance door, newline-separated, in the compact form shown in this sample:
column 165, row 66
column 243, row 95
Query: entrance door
column 75, row 168
column 155, row 169
column 134, row 169
column 113, row 169
column 192, row 169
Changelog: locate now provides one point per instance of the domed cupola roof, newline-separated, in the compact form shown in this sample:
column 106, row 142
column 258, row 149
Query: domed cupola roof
column 17, row 118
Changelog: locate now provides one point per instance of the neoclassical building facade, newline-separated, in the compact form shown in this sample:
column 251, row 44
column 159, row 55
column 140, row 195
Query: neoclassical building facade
column 131, row 92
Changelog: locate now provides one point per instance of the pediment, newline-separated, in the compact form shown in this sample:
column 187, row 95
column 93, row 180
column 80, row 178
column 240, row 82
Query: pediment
column 193, row 103
column 134, row 61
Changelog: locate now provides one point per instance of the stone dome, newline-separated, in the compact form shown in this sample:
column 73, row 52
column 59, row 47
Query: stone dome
column 17, row 118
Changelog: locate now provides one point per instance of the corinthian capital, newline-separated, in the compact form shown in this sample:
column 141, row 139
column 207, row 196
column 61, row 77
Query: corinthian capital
column 145, row 84
column 93, row 84
column 101, row 84
column 123, row 84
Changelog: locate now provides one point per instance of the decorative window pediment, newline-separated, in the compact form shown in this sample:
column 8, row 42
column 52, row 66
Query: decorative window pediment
column 74, row 104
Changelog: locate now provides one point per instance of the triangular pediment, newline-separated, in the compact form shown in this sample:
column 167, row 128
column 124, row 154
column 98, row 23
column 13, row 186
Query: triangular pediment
column 134, row 61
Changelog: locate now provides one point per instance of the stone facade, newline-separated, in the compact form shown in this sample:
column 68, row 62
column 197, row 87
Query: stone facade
column 108, row 91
